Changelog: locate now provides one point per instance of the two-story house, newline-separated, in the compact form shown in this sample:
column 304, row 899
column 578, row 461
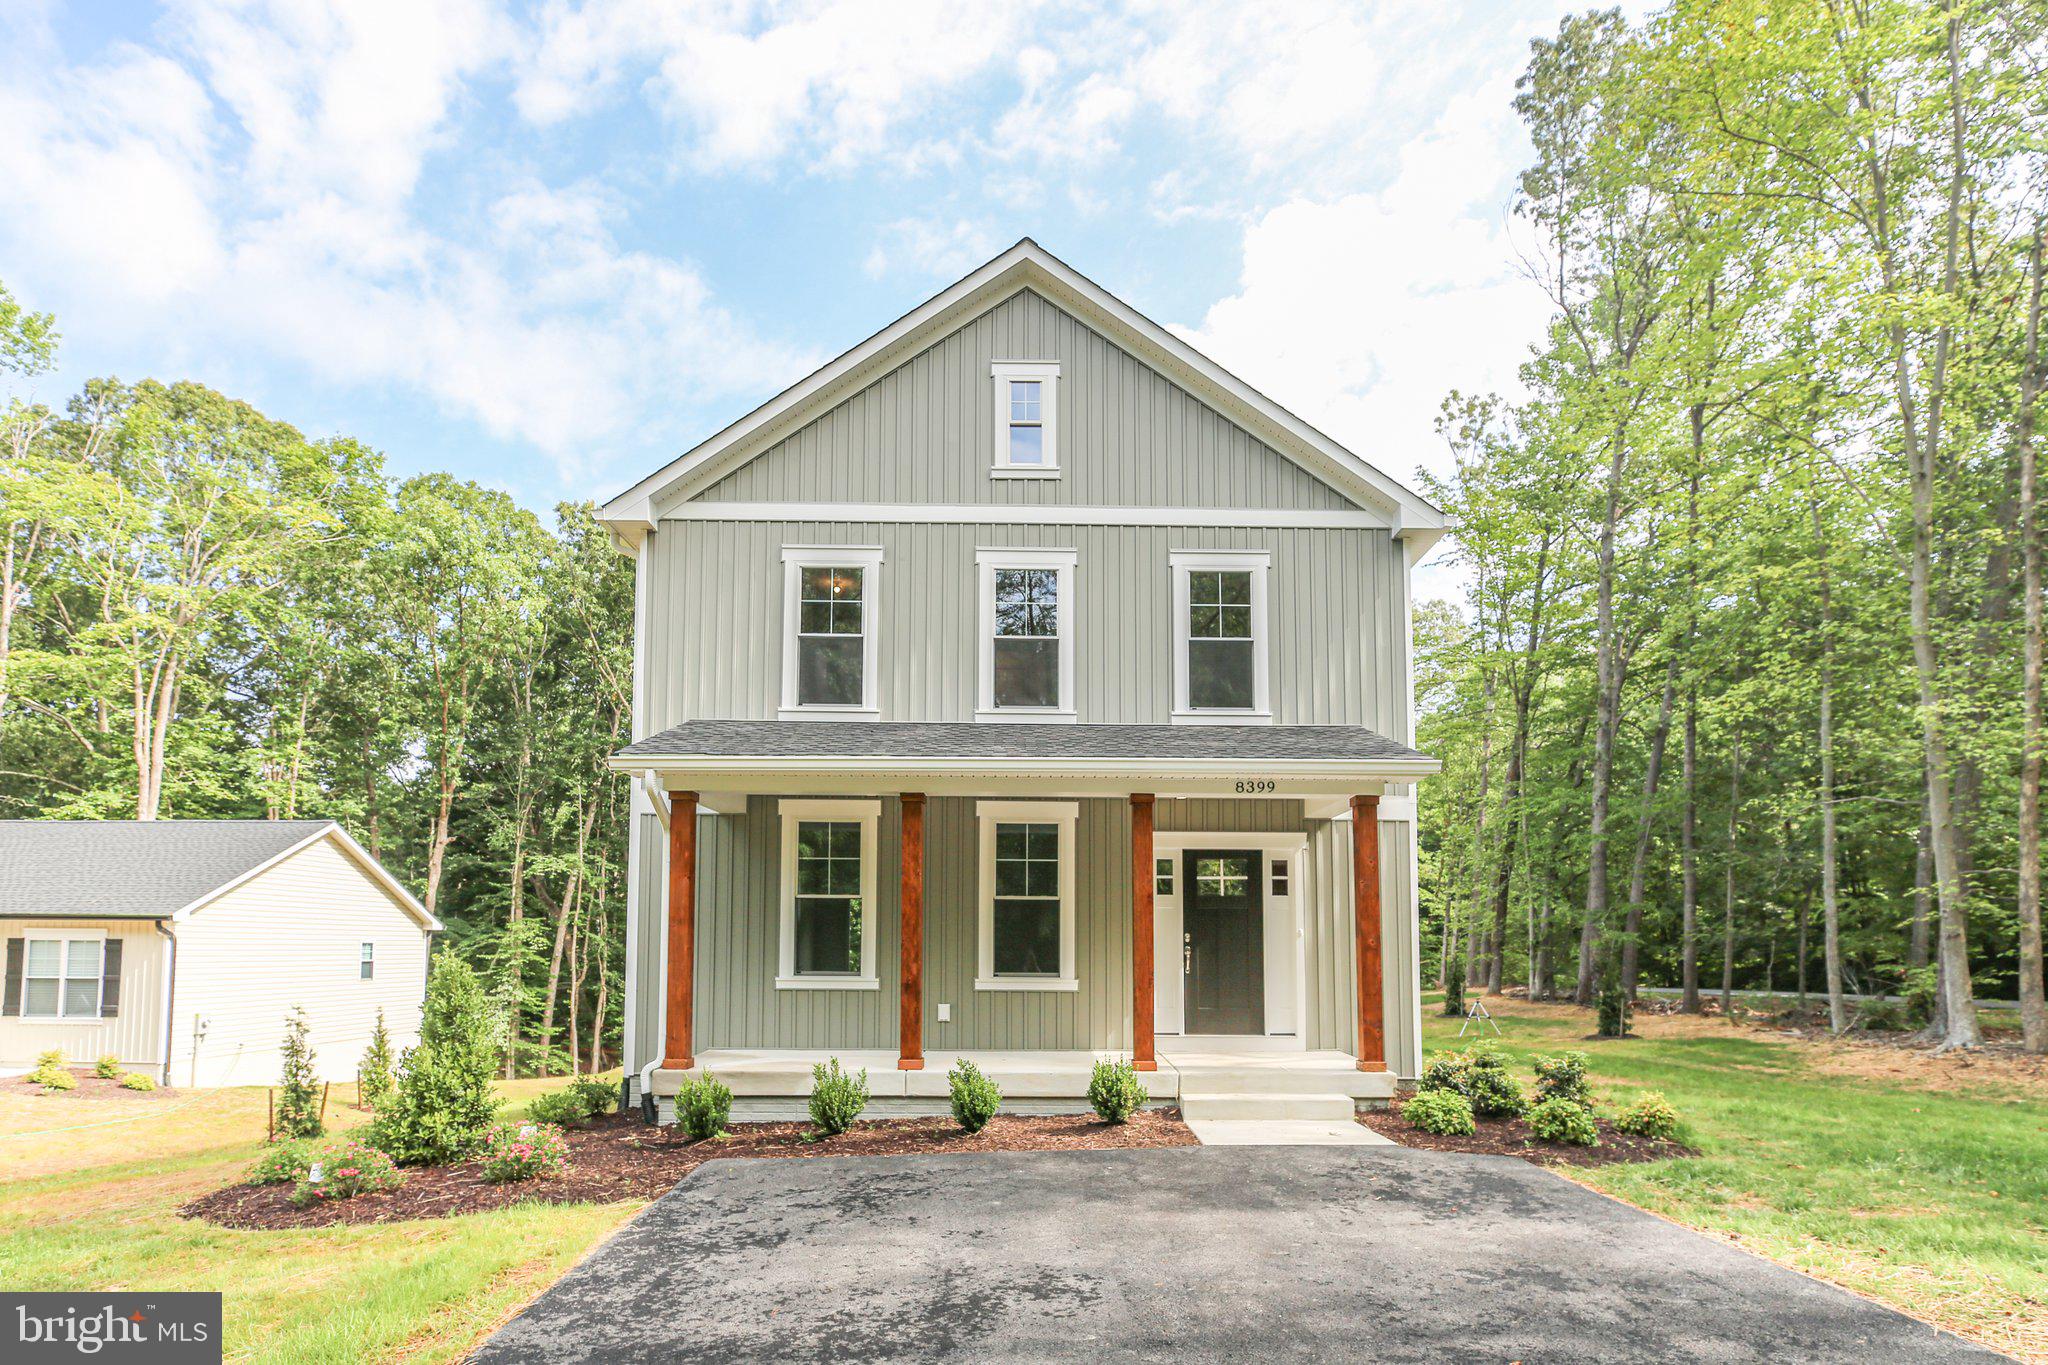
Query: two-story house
column 1022, row 685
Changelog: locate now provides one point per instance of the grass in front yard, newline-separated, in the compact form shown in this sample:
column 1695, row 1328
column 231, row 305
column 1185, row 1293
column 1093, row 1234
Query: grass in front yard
column 96, row 1208
column 1934, row 1200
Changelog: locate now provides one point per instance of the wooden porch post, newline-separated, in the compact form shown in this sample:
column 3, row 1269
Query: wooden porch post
column 679, row 1054
column 1142, row 1054
column 1365, row 901
column 910, row 1027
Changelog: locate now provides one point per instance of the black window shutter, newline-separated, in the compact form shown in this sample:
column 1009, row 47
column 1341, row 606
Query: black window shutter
column 17, row 949
column 110, row 980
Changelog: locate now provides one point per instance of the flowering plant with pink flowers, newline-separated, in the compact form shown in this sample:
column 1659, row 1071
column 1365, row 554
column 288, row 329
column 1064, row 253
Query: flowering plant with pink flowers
column 343, row 1170
column 524, row 1150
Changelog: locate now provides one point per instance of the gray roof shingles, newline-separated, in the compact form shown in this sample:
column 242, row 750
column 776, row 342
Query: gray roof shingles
column 131, row 869
column 897, row 739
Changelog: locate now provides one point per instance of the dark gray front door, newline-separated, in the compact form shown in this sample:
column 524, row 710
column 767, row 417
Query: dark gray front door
column 1225, row 956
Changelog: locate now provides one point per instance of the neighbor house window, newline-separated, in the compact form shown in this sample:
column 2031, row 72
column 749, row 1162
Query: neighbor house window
column 829, row 653
column 1027, row 634
column 369, row 961
column 1220, row 637
column 61, row 978
column 1027, row 895
column 1027, row 418
column 828, row 895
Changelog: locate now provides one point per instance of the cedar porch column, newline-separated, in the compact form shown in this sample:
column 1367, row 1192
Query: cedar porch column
column 1365, row 901
column 910, row 1027
column 1142, row 1056
column 679, row 1054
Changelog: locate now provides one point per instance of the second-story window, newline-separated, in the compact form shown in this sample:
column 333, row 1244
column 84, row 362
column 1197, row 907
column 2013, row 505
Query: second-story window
column 1027, row 654
column 1027, row 419
column 1220, row 637
column 829, row 665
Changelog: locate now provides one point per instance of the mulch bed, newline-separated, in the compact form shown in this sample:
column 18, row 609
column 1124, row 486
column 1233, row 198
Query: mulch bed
column 621, row 1158
column 90, row 1088
column 1511, row 1137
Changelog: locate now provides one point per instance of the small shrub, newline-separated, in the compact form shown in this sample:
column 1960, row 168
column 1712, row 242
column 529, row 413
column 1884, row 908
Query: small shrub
column 563, row 1108
column 55, row 1080
column 53, row 1060
column 282, row 1163
column 1454, row 988
column 975, row 1096
column 1493, row 1090
column 1883, row 1016
column 1450, row 1072
column 1921, row 988
column 836, row 1097
column 135, row 1080
column 1612, row 1007
column 1649, row 1115
column 1114, row 1091
column 1565, row 1121
column 444, row 1101
column 599, row 1095
column 524, row 1151
column 344, row 1171
column 107, row 1067
column 704, row 1107
column 374, row 1080
column 298, row 1088
column 1440, row 1111
column 1563, row 1077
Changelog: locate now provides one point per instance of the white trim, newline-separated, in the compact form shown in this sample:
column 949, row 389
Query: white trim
column 1325, row 770
column 64, row 938
column 1046, row 374
column 797, row 558
column 1018, row 514
column 1025, row 265
column 1279, row 915
column 1063, row 563
column 868, row 814
column 1065, row 814
column 1258, row 563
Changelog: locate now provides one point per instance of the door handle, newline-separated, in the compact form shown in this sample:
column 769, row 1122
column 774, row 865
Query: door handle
column 1187, row 953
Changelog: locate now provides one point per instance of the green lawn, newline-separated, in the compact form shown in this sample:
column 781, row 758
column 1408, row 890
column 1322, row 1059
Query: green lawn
column 89, row 1199
column 1933, row 1200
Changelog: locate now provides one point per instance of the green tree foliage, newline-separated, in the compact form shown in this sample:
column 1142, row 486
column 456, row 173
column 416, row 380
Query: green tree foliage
column 374, row 1078
column 298, row 1082
column 444, row 1103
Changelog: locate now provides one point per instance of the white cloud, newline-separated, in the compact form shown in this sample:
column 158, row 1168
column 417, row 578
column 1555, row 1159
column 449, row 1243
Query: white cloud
column 930, row 247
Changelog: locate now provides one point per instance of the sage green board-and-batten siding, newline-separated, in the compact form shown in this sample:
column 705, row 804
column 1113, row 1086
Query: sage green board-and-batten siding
column 739, row 918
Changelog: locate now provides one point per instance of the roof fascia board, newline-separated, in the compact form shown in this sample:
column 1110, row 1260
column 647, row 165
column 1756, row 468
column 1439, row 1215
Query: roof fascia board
column 884, row 765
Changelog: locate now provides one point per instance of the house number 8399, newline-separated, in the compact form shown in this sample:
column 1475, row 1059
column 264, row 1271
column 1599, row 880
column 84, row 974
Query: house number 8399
column 1250, row 786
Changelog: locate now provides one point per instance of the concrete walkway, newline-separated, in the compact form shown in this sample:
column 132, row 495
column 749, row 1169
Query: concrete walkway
column 1184, row 1253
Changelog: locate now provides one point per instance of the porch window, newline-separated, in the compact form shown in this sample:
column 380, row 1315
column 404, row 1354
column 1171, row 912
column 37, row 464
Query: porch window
column 1220, row 624
column 828, row 877
column 1027, row 897
column 1027, row 654
column 829, row 655
column 61, row 978
column 1027, row 419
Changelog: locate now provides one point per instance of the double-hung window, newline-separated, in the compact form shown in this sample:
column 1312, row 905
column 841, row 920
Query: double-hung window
column 1220, row 645
column 828, row 666
column 62, row 978
column 1027, row 896
column 828, row 895
column 1027, row 635
column 367, row 962
column 1027, row 419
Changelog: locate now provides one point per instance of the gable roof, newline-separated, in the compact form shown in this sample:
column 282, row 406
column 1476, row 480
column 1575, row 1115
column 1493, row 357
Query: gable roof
column 1027, row 265
column 156, row 869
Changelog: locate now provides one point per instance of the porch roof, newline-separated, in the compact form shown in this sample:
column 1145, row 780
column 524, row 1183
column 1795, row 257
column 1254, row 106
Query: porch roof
column 776, row 743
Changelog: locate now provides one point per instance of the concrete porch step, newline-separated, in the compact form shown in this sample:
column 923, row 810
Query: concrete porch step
column 1285, row 1133
column 1333, row 1107
column 1249, row 1076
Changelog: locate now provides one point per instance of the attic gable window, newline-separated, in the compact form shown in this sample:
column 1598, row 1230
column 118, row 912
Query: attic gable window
column 1027, row 419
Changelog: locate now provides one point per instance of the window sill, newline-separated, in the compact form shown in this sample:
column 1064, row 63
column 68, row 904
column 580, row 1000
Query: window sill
column 828, row 713
column 1223, row 718
column 827, row 983
column 1026, row 983
column 65, row 1018
column 1026, row 715
column 1003, row 471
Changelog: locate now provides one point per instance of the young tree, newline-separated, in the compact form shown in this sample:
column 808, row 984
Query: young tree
column 298, row 1086
column 444, row 1100
column 374, row 1080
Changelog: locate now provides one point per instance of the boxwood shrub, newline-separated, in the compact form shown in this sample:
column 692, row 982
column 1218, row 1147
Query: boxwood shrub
column 1565, row 1121
column 836, row 1097
column 975, row 1096
column 1114, row 1091
column 1440, row 1111
column 704, row 1107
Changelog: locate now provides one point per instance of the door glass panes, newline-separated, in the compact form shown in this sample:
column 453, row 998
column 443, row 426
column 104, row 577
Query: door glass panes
column 1162, row 876
column 1027, row 900
column 831, row 629
column 1228, row 878
column 828, row 908
column 1027, row 646
column 1220, row 663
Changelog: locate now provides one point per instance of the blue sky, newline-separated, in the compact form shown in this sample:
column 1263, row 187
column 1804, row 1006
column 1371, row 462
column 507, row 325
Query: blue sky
column 549, row 246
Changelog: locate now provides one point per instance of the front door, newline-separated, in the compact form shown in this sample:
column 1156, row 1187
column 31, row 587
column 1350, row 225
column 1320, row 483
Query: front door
column 1223, row 941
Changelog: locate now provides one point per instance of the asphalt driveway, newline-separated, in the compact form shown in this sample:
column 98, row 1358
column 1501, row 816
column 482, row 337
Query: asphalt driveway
column 1189, row 1253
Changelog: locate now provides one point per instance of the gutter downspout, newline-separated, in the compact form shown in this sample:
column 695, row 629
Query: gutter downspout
column 657, row 795
column 170, row 993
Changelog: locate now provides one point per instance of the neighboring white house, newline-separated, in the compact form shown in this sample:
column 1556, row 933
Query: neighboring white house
column 179, row 946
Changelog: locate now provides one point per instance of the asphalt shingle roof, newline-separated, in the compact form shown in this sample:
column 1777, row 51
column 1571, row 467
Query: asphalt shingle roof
column 131, row 869
column 900, row 739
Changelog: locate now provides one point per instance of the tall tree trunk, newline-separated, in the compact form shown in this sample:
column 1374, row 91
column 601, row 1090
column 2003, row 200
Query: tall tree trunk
column 1497, row 944
column 1920, row 934
column 1632, row 929
column 1830, row 899
column 1607, row 667
column 1689, row 863
column 1728, row 878
column 2033, row 1008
